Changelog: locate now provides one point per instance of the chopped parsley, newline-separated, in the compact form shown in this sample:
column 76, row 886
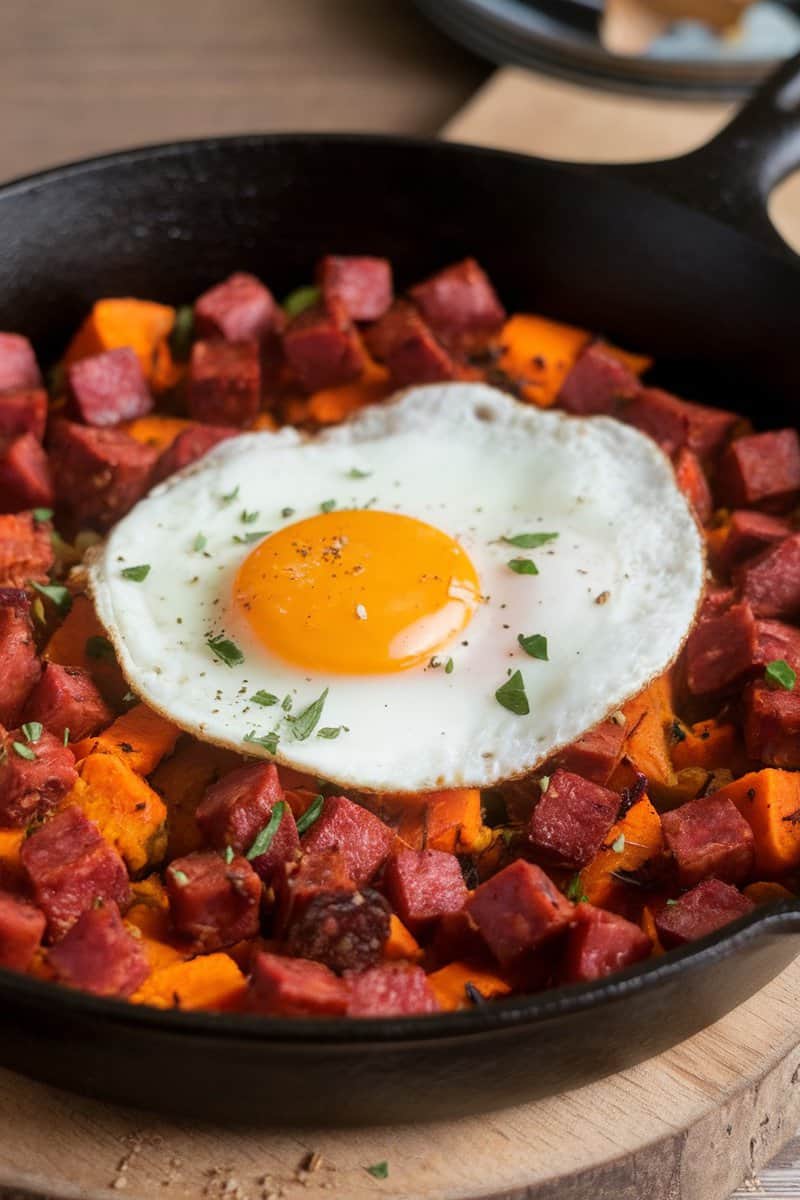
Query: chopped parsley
column 229, row 497
column 530, row 541
column 523, row 566
column 24, row 751
column 511, row 695
column 40, row 515
column 99, row 647
column 331, row 731
column 56, row 593
column 229, row 854
column 286, row 703
column 255, row 535
column 32, row 730
column 180, row 877
column 575, row 890
column 544, row 783
column 670, row 903
column 200, row 542
column 779, row 674
column 267, row 741
column 265, row 838
column 265, row 699
column 448, row 667
column 287, row 512
column 378, row 1170
column 304, row 724
column 136, row 574
column 327, row 506
column 311, row 814
column 618, row 845
column 301, row 299
column 247, row 518
column 225, row 650
column 180, row 339
column 355, row 473
column 66, row 736
column 534, row 644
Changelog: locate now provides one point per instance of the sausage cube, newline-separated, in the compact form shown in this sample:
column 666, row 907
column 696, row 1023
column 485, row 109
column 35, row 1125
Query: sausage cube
column 239, row 309
column 21, row 931
column 571, row 819
column 322, row 346
column 66, row 701
column 675, row 423
column 18, row 367
column 703, row 910
column 364, row 840
column 213, row 903
column 748, row 534
column 600, row 943
column 770, row 582
column 108, row 388
column 772, row 725
column 518, row 910
column 224, row 383
column 423, row 885
column 459, row 300
column 720, row 650
column 707, row 837
column 99, row 474
column 188, row 447
column 99, row 955
column 23, row 411
column 595, row 754
column 392, row 990
column 597, row 383
column 761, row 471
column 345, row 930
column 25, row 480
column 21, row 666
column 235, row 810
column 409, row 348
column 361, row 284
column 296, row 987
column 34, row 777
column 691, row 479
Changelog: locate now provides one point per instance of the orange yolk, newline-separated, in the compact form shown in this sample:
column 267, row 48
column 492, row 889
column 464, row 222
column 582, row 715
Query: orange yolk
column 357, row 592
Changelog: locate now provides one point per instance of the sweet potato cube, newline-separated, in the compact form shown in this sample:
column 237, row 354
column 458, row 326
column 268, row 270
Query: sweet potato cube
column 181, row 780
column 647, row 718
column 708, row 744
column 709, row 837
column 452, row 985
column 210, row 981
column 423, row 885
column 638, row 839
column 707, row 907
column 537, row 355
column 142, row 325
column 769, row 801
column 600, row 943
column 571, row 819
column 126, row 810
column 364, row 840
column 401, row 943
column 141, row 737
column 692, row 480
column 80, row 641
column 517, row 910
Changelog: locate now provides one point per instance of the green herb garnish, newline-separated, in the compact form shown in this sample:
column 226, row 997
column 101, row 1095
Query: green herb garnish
column 229, row 497
column 200, row 542
column 779, row 674
column 99, row 647
column 247, row 518
column 530, row 541
column 225, row 650
column 618, row 845
column 534, row 644
column 56, row 593
column 378, row 1170
column 330, row 731
column 355, row 473
column 180, row 339
column 66, row 736
column 264, row 840
column 286, row 703
column 448, row 667
column 137, row 574
column 287, row 512
column 266, row 699
column 327, row 506
column 23, row 751
column 310, row 815
column 229, row 854
column 40, row 515
column 254, row 536
column 180, row 877
column 301, row 299
column 33, row 730
column 512, row 696
column 523, row 566
column 304, row 724
column 575, row 890
column 267, row 741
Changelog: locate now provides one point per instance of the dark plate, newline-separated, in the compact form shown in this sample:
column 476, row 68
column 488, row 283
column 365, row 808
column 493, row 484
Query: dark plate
column 599, row 247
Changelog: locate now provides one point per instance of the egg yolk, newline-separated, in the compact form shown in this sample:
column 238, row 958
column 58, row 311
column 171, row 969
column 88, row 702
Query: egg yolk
column 357, row 592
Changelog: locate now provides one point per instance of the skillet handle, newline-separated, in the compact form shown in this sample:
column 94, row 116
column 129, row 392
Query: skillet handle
column 731, row 177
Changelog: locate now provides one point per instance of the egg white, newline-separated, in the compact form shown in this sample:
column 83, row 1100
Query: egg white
column 615, row 595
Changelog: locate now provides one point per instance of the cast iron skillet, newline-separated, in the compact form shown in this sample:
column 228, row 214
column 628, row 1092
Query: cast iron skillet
column 715, row 295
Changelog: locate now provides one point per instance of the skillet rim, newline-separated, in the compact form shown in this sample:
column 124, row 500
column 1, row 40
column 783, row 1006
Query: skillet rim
column 506, row 1014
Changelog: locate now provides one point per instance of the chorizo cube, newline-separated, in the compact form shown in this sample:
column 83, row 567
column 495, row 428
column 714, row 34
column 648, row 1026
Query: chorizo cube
column 600, row 943
column 597, row 384
column 99, row 955
column 720, row 650
column 595, row 754
column 517, row 910
column 21, row 666
column 749, row 533
column 188, row 447
column 391, row 990
column 21, row 931
column 675, row 423
column 459, row 300
column 777, row 640
column 424, row 885
column 409, row 348
column 66, row 701
column 296, row 987
column 323, row 872
column 99, row 474
column 345, row 930
column 692, row 480
column 770, row 582
column 107, row 388
column 761, row 471
column 364, row 839
column 322, row 346
column 362, row 285
column 708, row 837
column 240, row 309
column 213, row 903
column 23, row 411
column 707, row 907
column 18, row 366
column 70, row 866
column 26, row 551
column 571, row 819
column 772, row 725
column 236, row 808
column 25, row 478
column 34, row 776
column 224, row 383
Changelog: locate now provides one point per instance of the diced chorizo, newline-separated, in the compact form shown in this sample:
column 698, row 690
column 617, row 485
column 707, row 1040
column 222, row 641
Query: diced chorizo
column 213, row 903
column 224, row 383
column 675, row 423
column 748, row 534
column 322, row 346
column 189, row 446
column 346, row 931
column 99, row 955
column 459, row 301
column 517, row 910
column 23, row 411
column 571, row 819
column 323, row 872
column 423, row 885
column 691, row 479
column 26, row 553
column 99, row 474
column 597, row 384
column 703, row 910
column 600, row 943
column 34, row 776
column 364, row 840
column 708, row 837
column 772, row 725
column 363, row 285
column 777, row 640
column 236, row 808
column 21, row 931
column 70, row 866
column 21, row 667
column 239, row 309
column 408, row 347
column 18, row 366
column 107, row 388
column 761, row 471
column 715, row 601
column 296, row 987
column 770, row 582
column 720, row 650
column 594, row 755
column 391, row 990
column 66, row 701
column 25, row 479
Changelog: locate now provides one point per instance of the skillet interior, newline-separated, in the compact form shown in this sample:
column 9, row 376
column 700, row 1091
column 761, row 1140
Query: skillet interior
column 719, row 312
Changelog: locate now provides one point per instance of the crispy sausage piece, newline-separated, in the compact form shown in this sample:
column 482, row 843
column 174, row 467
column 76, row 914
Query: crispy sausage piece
column 189, row 446
column 346, row 931
column 224, row 383
column 213, row 903
column 23, row 411
column 749, row 533
column 600, row 943
column 720, row 650
column 364, row 840
column 707, row 837
column 108, row 388
column 66, row 699
column 597, row 384
column 20, row 664
column 34, row 777
column 772, row 725
column 322, row 346
column 99, row 955
column 771, row 580
column 459, row 301
column 21, row 931
column 424, row 885
column 296, row 987
column 706, row 908
column 18, row 367
column 99, row 474
column 239, row 309
column 25, row 479
column 517, row 910
column 363, row 285
column 391, row 990
column 761, row 471
column 675, row 423
column 571, row 819
column 407, row 345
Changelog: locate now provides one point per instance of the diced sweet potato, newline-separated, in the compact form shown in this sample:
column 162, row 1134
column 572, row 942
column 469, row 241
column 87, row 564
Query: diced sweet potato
column 769, row 801
column 141, row 737
column 322, row 346
column 459, row 302
column 114, row 322
column 600, row 943
column 296, row 987
column 224, row 384
column 181, row 781
column 597, row 383
column 21, row 666
column 401, row 943
column 18, row 367
column 157, row 430
column 451, row 820
column 709, row 837
column 67, row 702
column 239, row 309
column 21, row 931
column 189, row 446
column 26, row 550
column 761, row 471
column 126, row 810
column 364, row 840
column 699, row 912
column 456, row 985
column 772, row 725
column 99, row 474
column 34, row 776
column 409, row 348
column 23, row 411
column 391, row 990
column 692, row 481
column 25, row 479
column 720, row 651
column 108, row 388
column 770, row 582
column 647, row 718
column 537, row 356
column 423, row 885
column 767, row 893
column 708, row 744
column 213, row 903
column 639, row 840
column 210, row 981
column 571, row 819
column 361, row 284
column 11, row 874
column 99, row 955
column 517, row 910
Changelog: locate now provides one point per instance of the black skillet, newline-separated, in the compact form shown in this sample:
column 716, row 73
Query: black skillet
column 700, row 279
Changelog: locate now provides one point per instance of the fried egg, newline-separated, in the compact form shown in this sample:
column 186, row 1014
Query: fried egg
column 439, row 593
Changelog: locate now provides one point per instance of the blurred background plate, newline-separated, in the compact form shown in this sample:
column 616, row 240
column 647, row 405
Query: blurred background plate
column 561, row 36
